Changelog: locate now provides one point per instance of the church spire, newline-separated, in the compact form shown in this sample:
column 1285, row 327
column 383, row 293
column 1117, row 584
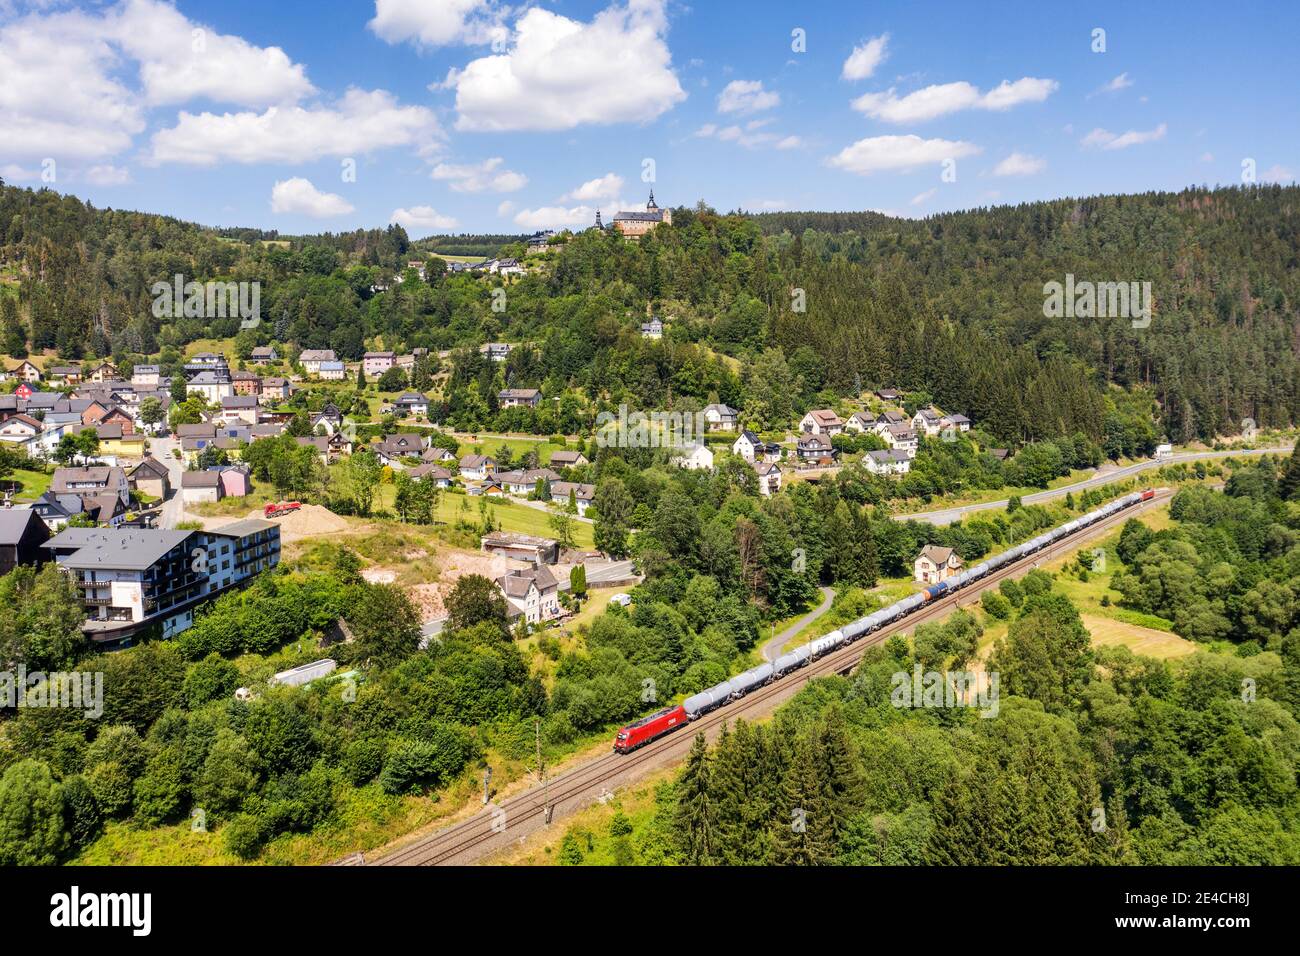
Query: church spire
column 651, row 203
column 599, row 225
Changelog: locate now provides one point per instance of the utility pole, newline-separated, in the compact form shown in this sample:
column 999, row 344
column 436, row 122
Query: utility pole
column 541, row 769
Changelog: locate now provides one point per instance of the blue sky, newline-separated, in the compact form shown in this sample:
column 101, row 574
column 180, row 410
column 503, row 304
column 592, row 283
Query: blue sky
column 468, row 115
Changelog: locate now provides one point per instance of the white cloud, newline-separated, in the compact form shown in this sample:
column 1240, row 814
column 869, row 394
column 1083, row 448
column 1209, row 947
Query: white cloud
column 48, row 107
column 1277, row 174
column 480, row 177
column 749, row 136
column 1120, row 82
column 746, row 96
column 560, row 73
column 505, row 207
column 1104, row 139
column 181, row 60
column 1020, row 164
column 1207, row 157
column 297, row 196
column 13, row 173
column 423, row 219
column 552, row 217
column 934, row 101
column 437, row 22
column 107, row 175
column 67, row 88
column 864, row 59
column 360, row 123
column 606, row 187
column 879, row 153
column 926, row 196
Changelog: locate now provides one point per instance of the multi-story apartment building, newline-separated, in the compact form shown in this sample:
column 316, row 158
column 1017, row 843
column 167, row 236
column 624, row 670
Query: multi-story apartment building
column 133, row 579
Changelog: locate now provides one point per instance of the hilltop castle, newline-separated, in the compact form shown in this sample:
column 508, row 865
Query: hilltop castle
column 633, row 225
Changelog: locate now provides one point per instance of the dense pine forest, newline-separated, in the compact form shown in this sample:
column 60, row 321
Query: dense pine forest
column 950, row 306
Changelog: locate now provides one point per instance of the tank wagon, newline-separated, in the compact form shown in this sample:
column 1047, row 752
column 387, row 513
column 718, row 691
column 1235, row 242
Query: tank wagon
column 665, row 721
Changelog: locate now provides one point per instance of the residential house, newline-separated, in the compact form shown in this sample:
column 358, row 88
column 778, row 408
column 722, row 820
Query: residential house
column 430, row 472
column 239, row 408
column 92, row 480
column 213, row 386
column 148, row 376
column 320, row 442
column 934, row 564
column 902, row 438
column 263, row 355
column 22, row 532
column 888, row 394
column 55, row 510
column 815, row 451
column 437, row 455
column 928, row 420
column 892, row 461
column 400, row 446
column 103, row 372
column 512, row 397
column 411, row 405
column 582, row 495
column 747, row 446
column 477, row 467
column 524, row 482
column 769, row 478
column 533, row 594
column 822, row 421
column 113, row 440
column 67, row 374
column 696, row 458
column 332, row 371
column 151, row 478
column 236, row 481
column 540, row 241
column 20, row 429
column 26, row 371
column 654, row 329
column 956, row 422
column 375, row 364
column 246, row 383
column 312, row 359
column 199, row 486
column 860, row 422
column 275, row 390
column 721, row 417
column 568, row 459
column 496, row 351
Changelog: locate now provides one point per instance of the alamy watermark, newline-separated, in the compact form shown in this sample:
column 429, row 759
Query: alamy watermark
column 64, row 690
column 656, row 430
column 1098, row 300
column 946, row 689
column 208, row 300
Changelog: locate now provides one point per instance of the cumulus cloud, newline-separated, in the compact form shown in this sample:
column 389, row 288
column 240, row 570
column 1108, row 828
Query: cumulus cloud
column 864, row 59
column 297, row 196
column 552, row 217
column 437, row 23
column 1020, row 164
column 422, row 219
column 746, row 96
column 107, row 175
column 181, row 60
column 1120, row 82
column 605, row 187
column 924, row 197
column 943, row 98
column 1104, row 139
column 487, row 176
column 1277, row 174
column 559, row 73
column 77, row 84
column 360, row 123
column 880, row 153
column 750, row 136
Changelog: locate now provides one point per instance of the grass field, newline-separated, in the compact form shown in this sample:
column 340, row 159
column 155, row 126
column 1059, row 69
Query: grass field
column 512, row 516
column 35, row 484
column 491, row 444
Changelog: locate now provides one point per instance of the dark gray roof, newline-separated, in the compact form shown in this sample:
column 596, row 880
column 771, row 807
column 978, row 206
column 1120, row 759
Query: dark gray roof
column 14, row 522
column 247, row 526
column 128, row 548
column 200, row 479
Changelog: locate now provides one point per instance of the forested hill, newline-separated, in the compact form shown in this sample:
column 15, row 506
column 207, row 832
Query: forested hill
column 950, row 306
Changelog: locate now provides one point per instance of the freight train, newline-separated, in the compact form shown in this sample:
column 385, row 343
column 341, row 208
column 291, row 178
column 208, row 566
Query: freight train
column 665, row 721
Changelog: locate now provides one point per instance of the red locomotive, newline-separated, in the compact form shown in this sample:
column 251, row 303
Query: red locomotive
column 648, row 728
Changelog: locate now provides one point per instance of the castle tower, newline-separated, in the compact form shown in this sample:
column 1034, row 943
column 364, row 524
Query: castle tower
column 651, row 204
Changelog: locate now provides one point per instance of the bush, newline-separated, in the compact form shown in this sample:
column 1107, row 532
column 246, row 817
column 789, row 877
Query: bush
column 210, row 679
column 995, row 605
column 363, row 760
column 81, row 816
column 244, row 836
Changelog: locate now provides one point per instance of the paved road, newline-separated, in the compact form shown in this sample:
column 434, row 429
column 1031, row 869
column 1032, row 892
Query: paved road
column 772, row 649
column 173, row 509
column 949, row 515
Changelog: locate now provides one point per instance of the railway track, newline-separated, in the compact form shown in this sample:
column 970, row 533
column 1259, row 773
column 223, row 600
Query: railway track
column 497, row 826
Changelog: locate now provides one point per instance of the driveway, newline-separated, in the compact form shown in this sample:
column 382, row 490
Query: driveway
column 772, row 649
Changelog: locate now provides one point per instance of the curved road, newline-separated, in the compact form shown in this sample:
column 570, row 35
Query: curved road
column 772, row 649
column 949, row 515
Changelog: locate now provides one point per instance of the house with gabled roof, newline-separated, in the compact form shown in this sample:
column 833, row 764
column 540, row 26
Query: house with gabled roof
column 532, row 594
column 822, row 421
column 935, row 564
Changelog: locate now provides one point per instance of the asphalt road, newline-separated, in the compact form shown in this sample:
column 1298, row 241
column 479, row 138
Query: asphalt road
column 949, row 515
column 173, row 509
